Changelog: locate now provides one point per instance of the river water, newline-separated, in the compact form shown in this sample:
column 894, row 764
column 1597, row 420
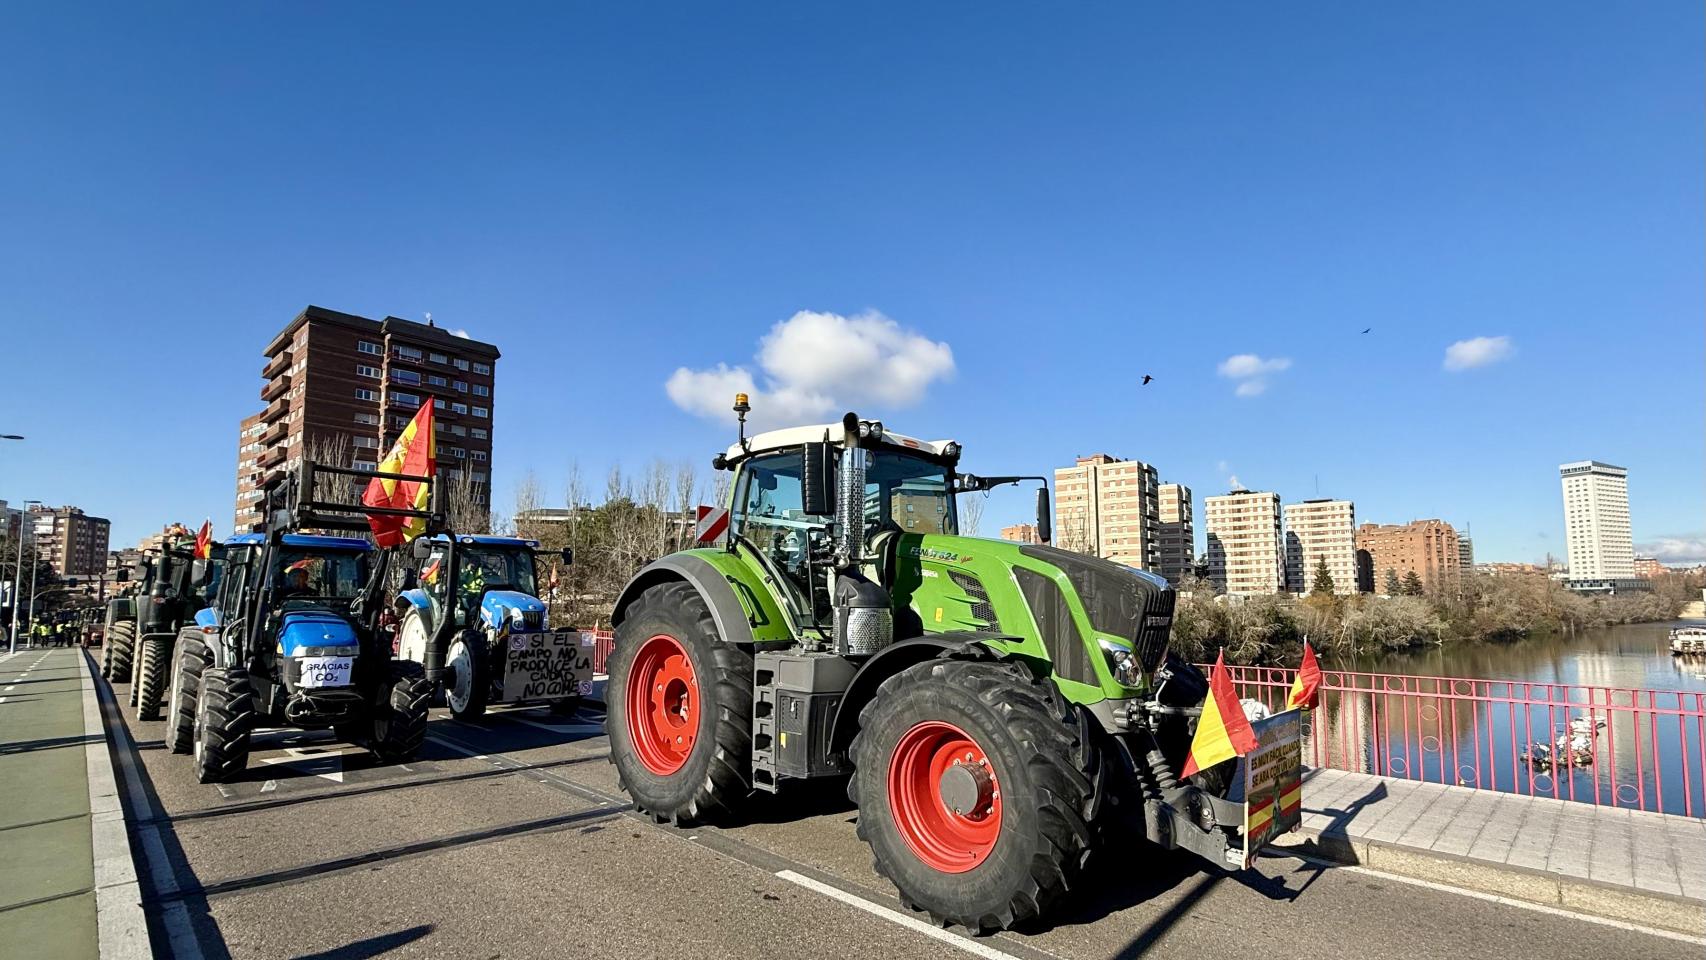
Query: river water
column 1604, row 715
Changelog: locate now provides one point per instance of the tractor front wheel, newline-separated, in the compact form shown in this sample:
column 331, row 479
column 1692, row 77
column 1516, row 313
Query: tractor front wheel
column 121, row 638
column 679, row 711
column 976, row 791
column 151, row 676
column 224, row 721
column 192, row 660
column 467, row 682
column 400, row 719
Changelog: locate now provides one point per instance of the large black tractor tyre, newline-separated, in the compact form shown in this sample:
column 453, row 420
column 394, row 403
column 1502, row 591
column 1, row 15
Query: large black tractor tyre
column 192, row 659
column 400, row 719
column 679, row 709
column 135, row 673
column 467, row 662
column 224, row 722
column 977, row 791
column 152, row 676
column 120, row 640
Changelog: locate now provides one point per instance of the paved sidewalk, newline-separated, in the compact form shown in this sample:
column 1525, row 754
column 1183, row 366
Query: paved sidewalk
column 67, row 881
column 1612, row 862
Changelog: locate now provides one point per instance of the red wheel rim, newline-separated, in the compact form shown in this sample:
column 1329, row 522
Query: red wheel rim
column 949, row 840
column 663, row 705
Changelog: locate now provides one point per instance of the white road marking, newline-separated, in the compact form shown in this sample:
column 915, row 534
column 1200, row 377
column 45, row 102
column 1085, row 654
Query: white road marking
column 1519, row 904
column 973, row 947
column 311, row 759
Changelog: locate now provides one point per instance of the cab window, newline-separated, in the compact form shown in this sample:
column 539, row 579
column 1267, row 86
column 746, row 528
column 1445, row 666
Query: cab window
column 768, row 514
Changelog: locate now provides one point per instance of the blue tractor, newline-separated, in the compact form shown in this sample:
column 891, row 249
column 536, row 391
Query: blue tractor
column 470, row 615
column 294, row 640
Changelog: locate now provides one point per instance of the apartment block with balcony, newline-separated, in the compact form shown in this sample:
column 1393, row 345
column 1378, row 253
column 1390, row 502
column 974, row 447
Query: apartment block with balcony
column 71, row 542
column 1246, row 554
column 1596, row 521
column 1110, row 508
column 1176, row 532
column 1319, row 531
column 341, row 388
column 1427, row 547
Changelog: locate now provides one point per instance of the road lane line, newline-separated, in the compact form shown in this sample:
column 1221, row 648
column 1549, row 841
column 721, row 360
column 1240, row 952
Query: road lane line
column 1510, row 902
column 914, row 924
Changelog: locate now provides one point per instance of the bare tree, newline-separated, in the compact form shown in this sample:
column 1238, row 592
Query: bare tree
column 971, row 512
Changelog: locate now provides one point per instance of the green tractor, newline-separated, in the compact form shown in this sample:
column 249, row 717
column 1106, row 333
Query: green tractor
column 1002, row 711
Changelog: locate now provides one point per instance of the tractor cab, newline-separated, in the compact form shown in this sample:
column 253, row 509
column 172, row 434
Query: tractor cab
column 470, row 614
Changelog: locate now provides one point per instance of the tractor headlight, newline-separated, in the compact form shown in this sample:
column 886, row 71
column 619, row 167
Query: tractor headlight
column 517, row 619
column 1126, row 669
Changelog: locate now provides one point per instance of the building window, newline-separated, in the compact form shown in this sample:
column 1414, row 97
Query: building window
column 460, row 363
column 407, row 353
column 365, row 466
column 366, row 347
column 362, row 370
column 362, row 393
column 438, row 403
column 398, row 423
column 371, row 419
column 405, row 399
column 482, row 412
column 459, row 430
column 436, row 380
column 438, row 358
column 364, row 443
column 459, row 408
column 457, row 452
column 480, row 455
column 481, row 390
column 406, row 376
column 461, row 387
column 478, row 433
column 484, row 369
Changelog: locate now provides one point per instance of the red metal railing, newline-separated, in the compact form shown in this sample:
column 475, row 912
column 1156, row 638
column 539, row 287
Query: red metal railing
column 601, row 652
column 1614, row 746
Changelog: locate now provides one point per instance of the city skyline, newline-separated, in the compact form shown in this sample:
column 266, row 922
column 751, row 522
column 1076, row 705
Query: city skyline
column 1523, row 255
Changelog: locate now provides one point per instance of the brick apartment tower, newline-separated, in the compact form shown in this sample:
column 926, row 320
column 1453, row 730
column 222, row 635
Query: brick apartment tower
column 345, row 386
column 1109, row 507
column 1246, row 555
column 1021, row 533
column 1429, row 547
column 1178, row 538
column 71, row 542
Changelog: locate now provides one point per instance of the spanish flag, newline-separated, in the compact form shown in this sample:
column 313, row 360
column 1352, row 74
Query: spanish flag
column 204, row 540
column 415, row 454
column 1306, row 689
column 1223, row 732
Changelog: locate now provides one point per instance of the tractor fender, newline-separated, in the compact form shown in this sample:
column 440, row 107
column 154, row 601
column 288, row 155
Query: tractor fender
column 726, row 611
column 412, row 598
column 892, row 659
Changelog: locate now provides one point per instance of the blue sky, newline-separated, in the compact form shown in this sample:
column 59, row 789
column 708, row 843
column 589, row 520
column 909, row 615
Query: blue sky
column 1066, row 198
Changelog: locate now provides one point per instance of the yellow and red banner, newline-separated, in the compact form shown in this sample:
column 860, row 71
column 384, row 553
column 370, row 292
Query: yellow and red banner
column 1306, row 689
column 204, row 540
column 1223, row 732
column 414, row 454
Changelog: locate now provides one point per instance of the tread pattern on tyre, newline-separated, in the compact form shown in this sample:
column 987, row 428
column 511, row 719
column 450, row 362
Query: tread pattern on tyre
column 230, row 706
column 151, row 674
column 1062, row 761
column 725, row 781
column 192, row 660
column 120, row 639
column 407, row 695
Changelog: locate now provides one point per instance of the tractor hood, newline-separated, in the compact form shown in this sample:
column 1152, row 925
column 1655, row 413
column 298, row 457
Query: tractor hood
column 499, row 608
column 305, row 629
column 1121, row 601
column 208, row 617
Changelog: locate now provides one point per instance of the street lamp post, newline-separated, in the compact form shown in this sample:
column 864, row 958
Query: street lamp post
column 18, row 574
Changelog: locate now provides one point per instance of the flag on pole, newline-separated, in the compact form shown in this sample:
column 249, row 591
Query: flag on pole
column 414, row 454
column 1223, row 732
column 1306, row 689
column 204, row 540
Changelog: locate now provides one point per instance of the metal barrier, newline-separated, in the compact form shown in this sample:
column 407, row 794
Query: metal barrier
column 601, row 652
column 1613, row 746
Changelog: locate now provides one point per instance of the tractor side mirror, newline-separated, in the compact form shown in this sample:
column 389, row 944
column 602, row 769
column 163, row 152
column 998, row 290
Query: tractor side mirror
column 121, row 575
column 568, row 556
column 1045, row 531
column 421, row 548
column 139, row 572
column 198, row 573
column 817, row 480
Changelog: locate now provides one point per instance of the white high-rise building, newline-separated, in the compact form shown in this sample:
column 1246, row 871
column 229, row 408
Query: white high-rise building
column 1596, row 521
column 1316, row 531
column 1109, row 507
column 1246, row 555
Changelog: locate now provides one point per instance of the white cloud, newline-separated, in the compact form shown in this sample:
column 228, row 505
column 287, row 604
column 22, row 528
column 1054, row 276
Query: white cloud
column 1678, row 550
column 1251, row 372
column 1233, row 484
column 815, row 364
column 1477, row 352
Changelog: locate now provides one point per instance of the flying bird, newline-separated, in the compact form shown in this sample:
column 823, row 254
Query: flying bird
column 1367, row 329
column 1146, row 379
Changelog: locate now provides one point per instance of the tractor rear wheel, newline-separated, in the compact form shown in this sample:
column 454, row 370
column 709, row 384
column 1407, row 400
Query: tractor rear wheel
column 152, row 677
column 400, row 719
column 679, row 711
column 224, row 721
column 192, row 660
column 976, row 791
column 120, row 639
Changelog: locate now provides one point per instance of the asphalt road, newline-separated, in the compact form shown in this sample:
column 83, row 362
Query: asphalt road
column 509, row 838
